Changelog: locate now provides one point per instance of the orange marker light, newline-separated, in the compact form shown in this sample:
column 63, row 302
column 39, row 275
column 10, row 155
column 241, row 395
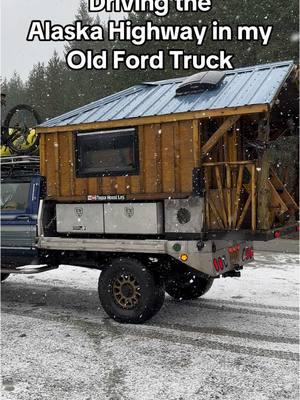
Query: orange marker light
column 184, row 257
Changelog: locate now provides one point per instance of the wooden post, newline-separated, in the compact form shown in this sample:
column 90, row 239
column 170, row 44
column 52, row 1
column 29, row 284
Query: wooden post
column 238, row 194
column 207, row 212
column 196, row 143
column 221, row 195
column 228, row 193
column 263, row 172
column 253, row 198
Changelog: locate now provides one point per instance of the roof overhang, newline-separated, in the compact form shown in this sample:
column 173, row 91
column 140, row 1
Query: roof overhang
column 159, row 119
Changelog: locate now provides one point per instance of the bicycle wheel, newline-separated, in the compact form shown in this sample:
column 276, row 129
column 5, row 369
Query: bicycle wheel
column 19, row 129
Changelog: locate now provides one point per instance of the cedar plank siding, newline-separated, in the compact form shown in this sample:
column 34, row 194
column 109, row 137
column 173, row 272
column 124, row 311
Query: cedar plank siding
column 166, row 157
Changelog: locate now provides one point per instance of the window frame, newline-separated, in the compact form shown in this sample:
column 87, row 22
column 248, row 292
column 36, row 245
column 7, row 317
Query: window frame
column 27, row 209
column 130, row 131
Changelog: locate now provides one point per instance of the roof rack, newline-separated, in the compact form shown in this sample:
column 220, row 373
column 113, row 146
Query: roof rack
column 19, row 165
column 17, row 160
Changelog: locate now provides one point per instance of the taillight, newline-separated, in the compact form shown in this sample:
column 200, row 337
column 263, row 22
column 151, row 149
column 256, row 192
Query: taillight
column 220, row 262
column 248, row 253
column 216, row 265
column 277, row 234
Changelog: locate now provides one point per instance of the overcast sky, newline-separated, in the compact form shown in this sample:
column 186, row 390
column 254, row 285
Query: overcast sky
column 16, row 15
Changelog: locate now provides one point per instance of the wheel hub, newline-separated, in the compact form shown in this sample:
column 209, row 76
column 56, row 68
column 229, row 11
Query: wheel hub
column 126, row 291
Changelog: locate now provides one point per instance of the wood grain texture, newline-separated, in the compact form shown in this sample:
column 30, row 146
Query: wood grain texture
column 186, row 151
column 66, row 163
column 213, row 140
column 167, row 156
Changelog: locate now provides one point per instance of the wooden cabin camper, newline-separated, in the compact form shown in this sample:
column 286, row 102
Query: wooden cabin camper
column 211, row 136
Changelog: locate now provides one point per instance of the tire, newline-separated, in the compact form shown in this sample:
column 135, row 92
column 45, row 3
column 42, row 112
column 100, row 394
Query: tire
column 129, row 292
column 187, row 286
column 4, row 277
column 6, row 125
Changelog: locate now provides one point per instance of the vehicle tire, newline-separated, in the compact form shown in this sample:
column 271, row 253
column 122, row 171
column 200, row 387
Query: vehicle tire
column 36, row 120
column 187, row 286
column 4, row 277
column 129, row 292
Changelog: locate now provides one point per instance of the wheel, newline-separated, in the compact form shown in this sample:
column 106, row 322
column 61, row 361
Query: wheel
column 19, row 131
column 4, row 277
column 187, row 286
column 129, row 292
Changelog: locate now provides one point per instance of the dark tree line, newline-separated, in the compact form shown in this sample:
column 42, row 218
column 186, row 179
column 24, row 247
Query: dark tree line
column 53, row 89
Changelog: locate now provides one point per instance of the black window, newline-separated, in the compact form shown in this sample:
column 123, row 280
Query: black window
column 109, row 152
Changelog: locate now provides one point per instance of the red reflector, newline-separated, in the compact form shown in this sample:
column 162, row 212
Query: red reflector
column 248, row 253
column 216, row 265
column 251, row 252
column 277, row 234
column 220, row 261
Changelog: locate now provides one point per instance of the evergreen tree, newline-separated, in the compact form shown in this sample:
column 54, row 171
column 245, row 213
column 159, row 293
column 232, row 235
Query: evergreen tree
column 283, row 45
column 4, row 91
column 36, row 89
column 15, row 91
column 85, row 85
column 55, row 87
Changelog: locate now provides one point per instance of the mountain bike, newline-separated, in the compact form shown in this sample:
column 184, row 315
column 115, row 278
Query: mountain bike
column 18, row 134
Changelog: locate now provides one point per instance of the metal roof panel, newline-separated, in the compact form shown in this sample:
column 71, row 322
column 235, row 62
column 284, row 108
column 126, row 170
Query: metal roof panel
column 241, row 87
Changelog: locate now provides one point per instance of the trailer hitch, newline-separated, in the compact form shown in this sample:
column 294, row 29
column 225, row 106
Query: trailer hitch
column 232, row 274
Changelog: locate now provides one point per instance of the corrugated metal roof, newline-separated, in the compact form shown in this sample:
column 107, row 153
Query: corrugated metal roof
column 241, row 87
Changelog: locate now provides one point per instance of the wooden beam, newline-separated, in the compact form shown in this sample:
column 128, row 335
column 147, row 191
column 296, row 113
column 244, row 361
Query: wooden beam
column 253, row 198
column 238, row 194
column 207, row 212
column 227, row 124
column 212, row 164
column 284, row 194
column 196, row 143
column 215, row 212
column 157, row 119
column 263, row 188
column 228, row 194
column 242, row 217
column 221, row 195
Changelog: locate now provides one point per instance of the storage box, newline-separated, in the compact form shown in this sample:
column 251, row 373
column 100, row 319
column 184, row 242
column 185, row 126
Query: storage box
column 79, row 218
column 133, row 218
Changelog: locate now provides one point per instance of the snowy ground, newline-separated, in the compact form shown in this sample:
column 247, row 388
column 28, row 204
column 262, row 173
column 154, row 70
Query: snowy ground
column 238, row 342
